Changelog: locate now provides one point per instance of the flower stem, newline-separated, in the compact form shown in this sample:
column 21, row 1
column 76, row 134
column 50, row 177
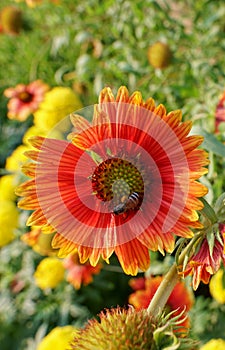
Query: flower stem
column 166, row 287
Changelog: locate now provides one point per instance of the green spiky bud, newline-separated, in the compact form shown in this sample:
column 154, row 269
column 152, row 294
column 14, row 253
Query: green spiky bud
column 122, row 329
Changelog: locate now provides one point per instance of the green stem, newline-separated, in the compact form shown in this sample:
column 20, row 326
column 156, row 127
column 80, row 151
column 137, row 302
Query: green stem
column 166, row 287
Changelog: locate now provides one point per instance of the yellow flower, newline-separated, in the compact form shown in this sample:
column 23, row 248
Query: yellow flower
column 17, row 158
column 57, row 104
column 49, row 273
column 214, row 344
column 216, row 287
column 58, row 339
column 7, row 187
column 8, row 221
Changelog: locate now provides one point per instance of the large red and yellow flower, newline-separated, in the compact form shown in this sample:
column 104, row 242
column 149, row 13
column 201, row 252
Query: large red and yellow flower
column 126, row 182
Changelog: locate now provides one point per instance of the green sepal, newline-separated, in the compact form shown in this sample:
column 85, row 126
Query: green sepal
column 208, row 212
column 218, row 237
column 220, row 207
column 211, row 242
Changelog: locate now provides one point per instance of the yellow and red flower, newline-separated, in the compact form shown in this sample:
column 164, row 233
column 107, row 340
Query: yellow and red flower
column 205, row 262
column 25, row 99
column 125, row 183
column 78, row 273
column 179, row 299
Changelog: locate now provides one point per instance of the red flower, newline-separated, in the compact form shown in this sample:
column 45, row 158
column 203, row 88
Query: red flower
column 179, row 299
column 78, row 273
column 126, row 183
column 204, row 263
column 220, row 112
column 25, row 99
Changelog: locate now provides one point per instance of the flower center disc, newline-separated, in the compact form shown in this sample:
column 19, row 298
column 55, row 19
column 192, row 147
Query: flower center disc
column 25, row 96
column 116, row 179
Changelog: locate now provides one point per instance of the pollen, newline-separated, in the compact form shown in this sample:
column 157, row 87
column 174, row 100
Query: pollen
column 115, row 179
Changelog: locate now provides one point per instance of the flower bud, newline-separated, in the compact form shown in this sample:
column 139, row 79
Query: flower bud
column 11, row 20
column 159, row 55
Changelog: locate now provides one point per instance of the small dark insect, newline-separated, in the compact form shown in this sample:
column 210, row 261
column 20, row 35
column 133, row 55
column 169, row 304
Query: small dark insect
column 131, row 203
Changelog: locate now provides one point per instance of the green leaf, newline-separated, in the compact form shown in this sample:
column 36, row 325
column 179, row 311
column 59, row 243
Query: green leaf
column 210, row 142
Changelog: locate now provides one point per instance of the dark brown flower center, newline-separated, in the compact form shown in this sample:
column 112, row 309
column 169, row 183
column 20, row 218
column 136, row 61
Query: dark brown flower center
column 116, row 179
column 25, row 96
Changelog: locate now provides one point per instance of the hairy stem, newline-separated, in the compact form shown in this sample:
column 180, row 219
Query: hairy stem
column 166, row 287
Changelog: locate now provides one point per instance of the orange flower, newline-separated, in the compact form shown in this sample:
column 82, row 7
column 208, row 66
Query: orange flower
column 179, row 299
column 79, row 273
column 25, row 99
column 125, row 184
column 40, row 242
column 205, row 263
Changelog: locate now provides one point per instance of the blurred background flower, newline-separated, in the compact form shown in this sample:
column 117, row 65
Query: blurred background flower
column 58, row 103
column 58, row 339
column 9, row 218
column 11, row 21
column 217, row 286
column 77, row 273
column 181, row 298
column 25, row 99
column 159, row 55
column 40, row 242
column 220, row 113
column 214, row 344
column 49, row 273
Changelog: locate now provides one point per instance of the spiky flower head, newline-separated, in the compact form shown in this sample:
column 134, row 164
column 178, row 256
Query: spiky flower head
column 120, row 329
